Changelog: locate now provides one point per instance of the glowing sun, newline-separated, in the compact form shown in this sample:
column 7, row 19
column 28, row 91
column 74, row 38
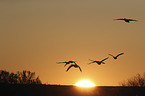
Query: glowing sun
column 85, row 83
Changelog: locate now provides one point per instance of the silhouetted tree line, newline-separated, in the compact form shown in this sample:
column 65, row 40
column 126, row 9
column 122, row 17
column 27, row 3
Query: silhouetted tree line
column 136, row 81
column 25, row 77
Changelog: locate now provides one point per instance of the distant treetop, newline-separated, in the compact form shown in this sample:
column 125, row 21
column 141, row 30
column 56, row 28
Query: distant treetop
column 136, row 81
column 25, row 77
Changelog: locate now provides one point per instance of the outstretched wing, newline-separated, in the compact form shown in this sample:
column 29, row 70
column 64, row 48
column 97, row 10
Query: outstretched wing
column 91, row 60
column 60, row 62
column 90, row 63
column 80, row 69
column 111, row 55
column 69, row 67
column 104, row 59
column 119, row 19
column 132, row 20
column 119, row 54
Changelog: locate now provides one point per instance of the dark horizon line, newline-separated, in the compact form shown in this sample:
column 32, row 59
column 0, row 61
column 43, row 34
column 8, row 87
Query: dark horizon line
column 58, row 85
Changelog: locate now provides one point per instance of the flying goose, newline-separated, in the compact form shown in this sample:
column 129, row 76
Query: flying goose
column 75, row 66
column 115, row 57
column 99, row 62
column 126, row 20
column 66, row 63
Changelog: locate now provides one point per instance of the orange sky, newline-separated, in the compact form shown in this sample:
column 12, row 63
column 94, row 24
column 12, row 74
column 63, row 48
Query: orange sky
column 35, row 34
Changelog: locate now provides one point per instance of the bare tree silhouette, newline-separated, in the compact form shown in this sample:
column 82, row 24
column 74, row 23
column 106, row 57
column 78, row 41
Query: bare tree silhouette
column 137, row 80
column 4, row 76
column 25, row 77
column 13, row 78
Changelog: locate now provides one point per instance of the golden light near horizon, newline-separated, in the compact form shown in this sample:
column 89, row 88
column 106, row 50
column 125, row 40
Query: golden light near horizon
column 85, row 83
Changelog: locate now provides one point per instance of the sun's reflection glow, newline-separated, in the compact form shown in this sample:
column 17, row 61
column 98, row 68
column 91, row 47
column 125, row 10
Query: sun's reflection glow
column 85, row 83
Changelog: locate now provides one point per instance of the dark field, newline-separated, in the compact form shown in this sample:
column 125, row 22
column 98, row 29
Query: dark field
column 59, row 90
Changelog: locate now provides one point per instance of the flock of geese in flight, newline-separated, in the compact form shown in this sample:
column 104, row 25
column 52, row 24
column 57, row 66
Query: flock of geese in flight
column 75, row 65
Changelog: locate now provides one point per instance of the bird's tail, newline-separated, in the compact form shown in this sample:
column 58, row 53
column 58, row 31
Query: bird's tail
column 103, row 62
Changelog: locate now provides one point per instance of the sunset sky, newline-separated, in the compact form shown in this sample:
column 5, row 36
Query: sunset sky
column 35, row 34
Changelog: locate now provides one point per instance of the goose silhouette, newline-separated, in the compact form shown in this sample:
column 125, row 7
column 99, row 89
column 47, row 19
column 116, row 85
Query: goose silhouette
column 115, row 57
column 66, row 63
column 126, row 20
column 98, row 62
column 75, row 66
